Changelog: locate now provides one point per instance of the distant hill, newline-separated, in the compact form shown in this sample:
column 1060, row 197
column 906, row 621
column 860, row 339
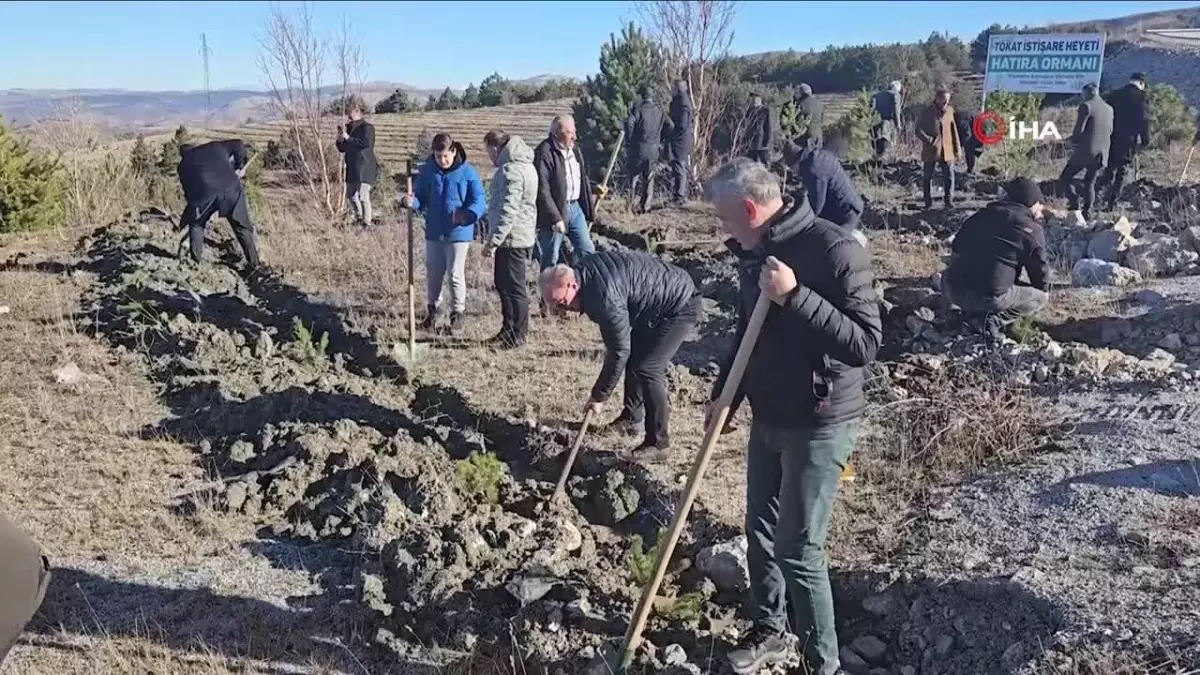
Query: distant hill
column 160, row 110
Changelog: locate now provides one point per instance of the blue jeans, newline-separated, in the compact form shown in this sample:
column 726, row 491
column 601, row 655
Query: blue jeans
column 549, row 241
column 792, row 477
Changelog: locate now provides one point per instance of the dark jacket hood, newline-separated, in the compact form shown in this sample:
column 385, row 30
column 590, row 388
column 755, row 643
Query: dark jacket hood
column 460, row 158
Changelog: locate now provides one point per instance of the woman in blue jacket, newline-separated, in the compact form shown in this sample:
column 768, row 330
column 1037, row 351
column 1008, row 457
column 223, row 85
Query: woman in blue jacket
column 449, row 194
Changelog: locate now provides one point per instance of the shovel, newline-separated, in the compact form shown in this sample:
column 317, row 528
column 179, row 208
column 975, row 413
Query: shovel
column 1186, row 164
column 633, row 637
column 566, row 472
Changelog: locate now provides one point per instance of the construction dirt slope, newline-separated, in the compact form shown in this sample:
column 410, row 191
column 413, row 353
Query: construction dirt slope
column 1032, row 507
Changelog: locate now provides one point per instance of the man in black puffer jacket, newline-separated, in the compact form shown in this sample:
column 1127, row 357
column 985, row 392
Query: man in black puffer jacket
column 645, row 309
column 210, row 175
column 804, row 382
column 989, row 252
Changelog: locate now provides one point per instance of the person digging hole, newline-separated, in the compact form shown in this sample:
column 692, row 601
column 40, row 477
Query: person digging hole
column 645, row 308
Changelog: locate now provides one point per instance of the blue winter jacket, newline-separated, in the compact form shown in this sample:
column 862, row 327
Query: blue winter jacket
column 439, row 192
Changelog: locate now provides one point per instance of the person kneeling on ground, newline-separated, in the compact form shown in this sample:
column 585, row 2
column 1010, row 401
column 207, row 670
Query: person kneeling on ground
column 450, row 195
column 989, row 252
column 24, row 575
column 829, row 190
column 210, row 175
column 645, row 309
column 512, row 225
column 804, row 383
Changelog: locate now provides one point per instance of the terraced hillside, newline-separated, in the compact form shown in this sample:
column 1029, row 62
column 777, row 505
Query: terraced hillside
column 396, row 135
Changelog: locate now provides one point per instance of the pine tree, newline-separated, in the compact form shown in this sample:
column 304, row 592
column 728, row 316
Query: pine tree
column 398, row 101
column 431, row 103
column 625, row 65
column 141, row 158
column 494, row 91
column 31, row 191
column 168, row 161
column 470, row 97
column 448, row 101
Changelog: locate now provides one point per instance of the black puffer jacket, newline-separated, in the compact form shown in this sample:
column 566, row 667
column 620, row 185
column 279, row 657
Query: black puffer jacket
column 626, row 292
column 994, row 245
column 806, row 369
column 1131, row 125
column 679, row 143
column 207, row 171
column 361, row 163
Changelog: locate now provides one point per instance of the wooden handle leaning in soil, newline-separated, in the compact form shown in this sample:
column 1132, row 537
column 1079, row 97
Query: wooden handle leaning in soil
column 412, row 303
column 562, row 479
column 732, row 382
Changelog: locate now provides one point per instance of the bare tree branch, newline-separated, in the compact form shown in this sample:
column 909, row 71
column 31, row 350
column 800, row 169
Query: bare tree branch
column 695, row 35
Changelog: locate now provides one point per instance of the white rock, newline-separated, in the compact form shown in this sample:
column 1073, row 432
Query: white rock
column 68, row 374
column 1052, row 351
column 674, row 655
column 5, row 309
column 1090, row 272
column 1075, row 219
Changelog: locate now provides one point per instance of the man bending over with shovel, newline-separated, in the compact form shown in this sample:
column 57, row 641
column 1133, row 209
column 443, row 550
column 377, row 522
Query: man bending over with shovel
column 645, row 308
column 804, row 384
column 211, row 177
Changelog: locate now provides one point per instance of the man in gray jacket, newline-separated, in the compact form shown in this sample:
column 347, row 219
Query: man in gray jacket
column 1091, row 139
column 512, row 225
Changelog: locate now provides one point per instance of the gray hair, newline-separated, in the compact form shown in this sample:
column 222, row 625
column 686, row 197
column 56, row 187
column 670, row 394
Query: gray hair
column 559, row 120
column 553, row 277
column 895, row 85
column 743, row 178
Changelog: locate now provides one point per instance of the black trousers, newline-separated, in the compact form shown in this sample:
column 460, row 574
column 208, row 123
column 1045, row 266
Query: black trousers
column 231, row 206
column 509, row 277
column 651, row 351
column 1120, row 157
column 947, row 182
column 681, row 175
column 1091, row 170
column 643, row 182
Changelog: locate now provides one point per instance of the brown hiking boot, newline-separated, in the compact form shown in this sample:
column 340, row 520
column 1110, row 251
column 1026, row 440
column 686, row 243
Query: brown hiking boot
column 848, row 474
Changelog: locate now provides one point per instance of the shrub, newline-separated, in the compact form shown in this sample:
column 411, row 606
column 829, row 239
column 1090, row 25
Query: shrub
column 1171, row 119
column 479, row 476
column 1012, row 155
column 398, row 101
column 168, row 159
column 30, row 186
column 340, row 106
column 141, row 159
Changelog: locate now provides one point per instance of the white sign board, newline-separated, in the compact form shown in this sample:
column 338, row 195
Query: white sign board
column 1046, row 63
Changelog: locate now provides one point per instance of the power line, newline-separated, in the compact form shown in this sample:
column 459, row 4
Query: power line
column 204, row 52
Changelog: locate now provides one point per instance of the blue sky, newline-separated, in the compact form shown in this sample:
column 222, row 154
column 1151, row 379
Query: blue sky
column 156, row 45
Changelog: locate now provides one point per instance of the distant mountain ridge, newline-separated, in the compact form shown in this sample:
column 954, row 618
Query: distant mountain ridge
column 161, row 110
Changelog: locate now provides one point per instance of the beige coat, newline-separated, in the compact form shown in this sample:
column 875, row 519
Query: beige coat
column 939, row 135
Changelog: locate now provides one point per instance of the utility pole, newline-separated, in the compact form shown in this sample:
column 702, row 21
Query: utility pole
column 207, row 88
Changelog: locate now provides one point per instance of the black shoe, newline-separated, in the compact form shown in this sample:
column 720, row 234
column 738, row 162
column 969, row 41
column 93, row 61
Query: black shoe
column 928, row 204
column 430, row 319
column 455, row 322
column 503, row 340
column 762, row 647
column 650, row 453
column 626, row 426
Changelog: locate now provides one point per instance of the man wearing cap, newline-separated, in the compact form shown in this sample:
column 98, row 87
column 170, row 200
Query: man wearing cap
column 989, row 252
column 1091, row 137
column 1131, row 132
column 760, row 135
column 812, row 112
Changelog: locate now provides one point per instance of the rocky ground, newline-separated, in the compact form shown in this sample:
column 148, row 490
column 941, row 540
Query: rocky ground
column 1030, row 507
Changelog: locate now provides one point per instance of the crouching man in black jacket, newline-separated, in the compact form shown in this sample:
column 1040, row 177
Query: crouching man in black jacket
column 989, row 252
column 645, row 308
column 210, row 175
column 804, row 382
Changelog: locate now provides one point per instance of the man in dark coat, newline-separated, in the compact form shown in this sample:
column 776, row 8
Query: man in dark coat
column 1091, row 138
column 679, row 143
column 804, row 383
column 564, row 200
column 1131, row 132
column 24, row 575
column 827, row 186
column 811, row 111
column 889, row 105
column 989, row 252
column 761, row 123
column 357, row 141
column 645, row 128
column 645, row 308
column 210, row 175
column 972, row 146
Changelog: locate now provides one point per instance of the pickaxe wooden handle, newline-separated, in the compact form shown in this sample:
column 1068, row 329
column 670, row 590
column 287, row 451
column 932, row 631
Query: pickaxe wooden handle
column 612, row 161
column 732, row 382
column 566, row 472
